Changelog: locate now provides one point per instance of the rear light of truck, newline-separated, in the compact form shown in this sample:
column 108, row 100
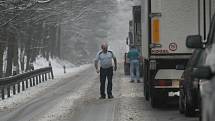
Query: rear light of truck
column 176, row 83
column 167, row 83
column 163, row 82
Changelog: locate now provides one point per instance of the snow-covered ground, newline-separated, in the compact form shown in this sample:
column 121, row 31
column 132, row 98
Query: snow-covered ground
column 57, row 65
column 66, row 105
column 59, row 74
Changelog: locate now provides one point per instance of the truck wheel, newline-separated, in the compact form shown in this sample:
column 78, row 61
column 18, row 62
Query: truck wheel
column 154, row 99
column 200, row 114
column 181, row 105
column 200, row 110
column 154, row 102
column 145, row 79
column 189, row 110
column 146, row 93
column 126, row 69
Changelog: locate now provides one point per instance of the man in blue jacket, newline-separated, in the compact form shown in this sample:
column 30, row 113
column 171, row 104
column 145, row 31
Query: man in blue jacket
column 134, row 57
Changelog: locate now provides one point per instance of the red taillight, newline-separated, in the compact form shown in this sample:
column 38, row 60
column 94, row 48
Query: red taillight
column 163, row 83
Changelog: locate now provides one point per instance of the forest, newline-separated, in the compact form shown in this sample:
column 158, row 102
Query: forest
column 26, row 31
column 69, row 30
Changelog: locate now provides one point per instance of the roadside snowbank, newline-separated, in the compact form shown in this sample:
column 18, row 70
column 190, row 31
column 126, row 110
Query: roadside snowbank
column 57, row 65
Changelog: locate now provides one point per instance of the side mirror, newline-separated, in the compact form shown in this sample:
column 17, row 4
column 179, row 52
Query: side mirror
column 180, row 67
column 203, row 72
column 194, row 41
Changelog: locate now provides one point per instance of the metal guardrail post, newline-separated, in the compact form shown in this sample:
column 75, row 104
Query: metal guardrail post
column 52, row 73
column 39, row 78
column 37, row 81
column 26, row 83
column 23, row 85
column 45, row 76
column 18, row 87
column 14, row 89
column 8, row 91
column 2, row 93
column 31, row 82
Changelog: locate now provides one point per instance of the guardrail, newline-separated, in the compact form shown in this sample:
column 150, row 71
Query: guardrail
column 25, row 80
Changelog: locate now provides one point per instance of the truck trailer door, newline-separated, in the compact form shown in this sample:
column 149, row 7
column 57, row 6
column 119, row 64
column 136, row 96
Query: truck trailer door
column 171, row 21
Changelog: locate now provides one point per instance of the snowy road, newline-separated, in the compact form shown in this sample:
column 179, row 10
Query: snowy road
column 128, row 105
column 75, row 98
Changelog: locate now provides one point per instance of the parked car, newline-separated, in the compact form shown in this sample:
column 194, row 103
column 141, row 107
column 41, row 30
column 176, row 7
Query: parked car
column 189, row 99
column 206, row 72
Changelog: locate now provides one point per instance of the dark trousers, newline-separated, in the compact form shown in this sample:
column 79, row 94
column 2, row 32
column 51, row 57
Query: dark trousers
column 106, row 73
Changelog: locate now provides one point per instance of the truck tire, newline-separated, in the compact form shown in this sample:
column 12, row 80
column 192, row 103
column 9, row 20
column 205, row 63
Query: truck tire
column 189, row 110
column 181, row 103
column 146, row 92
column 146, row 86
column 200, row 114
column 154, row 99
column 126, row 68
column 200, row 109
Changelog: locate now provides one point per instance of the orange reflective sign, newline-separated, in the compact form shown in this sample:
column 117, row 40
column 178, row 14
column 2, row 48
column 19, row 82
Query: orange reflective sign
column 155, row 31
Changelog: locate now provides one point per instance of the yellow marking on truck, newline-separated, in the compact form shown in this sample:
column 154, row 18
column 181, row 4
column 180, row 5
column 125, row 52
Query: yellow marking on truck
column 156, row 31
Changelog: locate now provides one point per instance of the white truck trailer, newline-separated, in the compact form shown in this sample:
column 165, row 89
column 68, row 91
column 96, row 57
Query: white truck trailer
column 165, row 25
